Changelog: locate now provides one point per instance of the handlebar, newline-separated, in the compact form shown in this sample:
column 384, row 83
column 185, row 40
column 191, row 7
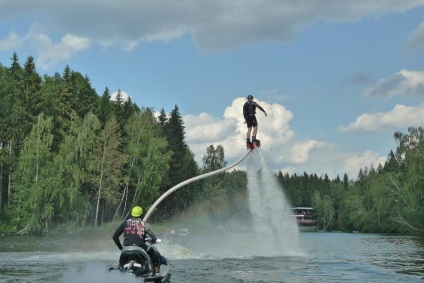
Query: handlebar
column 148, row 239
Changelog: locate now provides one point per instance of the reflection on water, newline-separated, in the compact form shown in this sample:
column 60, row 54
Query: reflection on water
column 328, row 257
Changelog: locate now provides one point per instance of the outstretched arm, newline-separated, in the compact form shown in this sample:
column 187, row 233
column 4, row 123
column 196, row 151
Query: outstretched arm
column 260, row 108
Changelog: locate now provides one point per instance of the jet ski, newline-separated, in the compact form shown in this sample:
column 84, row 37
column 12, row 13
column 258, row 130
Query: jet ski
column 136, row 262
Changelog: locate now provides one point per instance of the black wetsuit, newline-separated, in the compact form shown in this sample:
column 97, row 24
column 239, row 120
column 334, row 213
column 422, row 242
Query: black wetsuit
column 135, row 230
column 249, row 111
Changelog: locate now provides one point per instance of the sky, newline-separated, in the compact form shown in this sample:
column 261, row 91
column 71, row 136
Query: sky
column 337, row 78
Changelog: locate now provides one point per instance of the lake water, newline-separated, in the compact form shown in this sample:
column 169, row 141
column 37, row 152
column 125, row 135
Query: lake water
column 221, row 257
column 273, row 250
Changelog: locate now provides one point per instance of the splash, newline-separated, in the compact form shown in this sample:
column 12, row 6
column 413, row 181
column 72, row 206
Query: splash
column 273, row 220
column 96, row 272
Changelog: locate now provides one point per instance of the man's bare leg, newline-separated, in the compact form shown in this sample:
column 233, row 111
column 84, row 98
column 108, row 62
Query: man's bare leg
column 249, row 130
column 255, row 130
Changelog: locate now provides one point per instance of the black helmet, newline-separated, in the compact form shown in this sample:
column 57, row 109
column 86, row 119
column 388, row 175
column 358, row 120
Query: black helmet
column 250, row 97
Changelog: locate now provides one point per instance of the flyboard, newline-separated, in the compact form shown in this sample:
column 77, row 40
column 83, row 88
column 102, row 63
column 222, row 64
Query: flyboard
column 254, row 144
column 173, row 189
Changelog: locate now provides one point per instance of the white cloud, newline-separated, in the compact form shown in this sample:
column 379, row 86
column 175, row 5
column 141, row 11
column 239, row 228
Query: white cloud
column 230, row 131
column 12, row 42
column 300, row 152
column 279, row 144
column 352, row 164
column 212, row 24
column 278, row 141
column 50, row 53
column 278, row 21
column 400, row 117
column 417, row 37
column 205, row 126
column 283, row 152
column 406, row 83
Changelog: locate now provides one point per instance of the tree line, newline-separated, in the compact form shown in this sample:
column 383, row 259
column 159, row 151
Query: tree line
column 69, row 156
column 388, row 199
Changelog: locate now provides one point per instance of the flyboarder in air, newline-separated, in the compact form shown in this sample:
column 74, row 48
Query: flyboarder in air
column 249, row 113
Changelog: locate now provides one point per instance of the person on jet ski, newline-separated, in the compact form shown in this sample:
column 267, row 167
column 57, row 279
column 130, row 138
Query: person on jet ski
column 135, row 231
column 249, row 114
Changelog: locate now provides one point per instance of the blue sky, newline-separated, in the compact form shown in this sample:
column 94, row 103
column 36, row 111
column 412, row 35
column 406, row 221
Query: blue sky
column 337, row 78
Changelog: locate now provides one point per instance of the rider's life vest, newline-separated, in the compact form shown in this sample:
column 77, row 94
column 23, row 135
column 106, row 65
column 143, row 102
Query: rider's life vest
column 134, row 232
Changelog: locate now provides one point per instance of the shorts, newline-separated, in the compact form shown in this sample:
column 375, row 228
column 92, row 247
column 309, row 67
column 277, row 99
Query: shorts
column 251, row 121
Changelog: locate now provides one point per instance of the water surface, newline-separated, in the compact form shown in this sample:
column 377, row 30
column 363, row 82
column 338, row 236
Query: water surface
column 326, row 257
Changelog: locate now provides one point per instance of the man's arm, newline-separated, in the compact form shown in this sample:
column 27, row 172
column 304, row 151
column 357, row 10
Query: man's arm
column 260, row 108
column 150, row 232
column 118, row 233
column 245, row 112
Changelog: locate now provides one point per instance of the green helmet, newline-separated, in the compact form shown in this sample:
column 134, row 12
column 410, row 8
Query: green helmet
column 137, row 211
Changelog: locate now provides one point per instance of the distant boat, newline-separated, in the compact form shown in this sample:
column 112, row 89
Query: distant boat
column 305, row 218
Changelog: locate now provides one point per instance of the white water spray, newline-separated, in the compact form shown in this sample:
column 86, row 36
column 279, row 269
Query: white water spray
column 273, row 219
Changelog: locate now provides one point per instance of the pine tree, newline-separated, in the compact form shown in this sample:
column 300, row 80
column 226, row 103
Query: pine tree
column 32, row 83
column 176, row 141
column 60, row 104
column 162, row 118
column 106, row 107
column 16, row 127
column 345, row 181
column 123, row 109
column 87, row 99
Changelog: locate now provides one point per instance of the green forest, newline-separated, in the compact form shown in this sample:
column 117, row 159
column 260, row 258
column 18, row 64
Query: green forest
column 72, row 157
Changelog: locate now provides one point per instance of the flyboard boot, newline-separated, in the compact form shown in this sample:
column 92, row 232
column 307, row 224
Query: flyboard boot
column 256, row 143
column 249, row 144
